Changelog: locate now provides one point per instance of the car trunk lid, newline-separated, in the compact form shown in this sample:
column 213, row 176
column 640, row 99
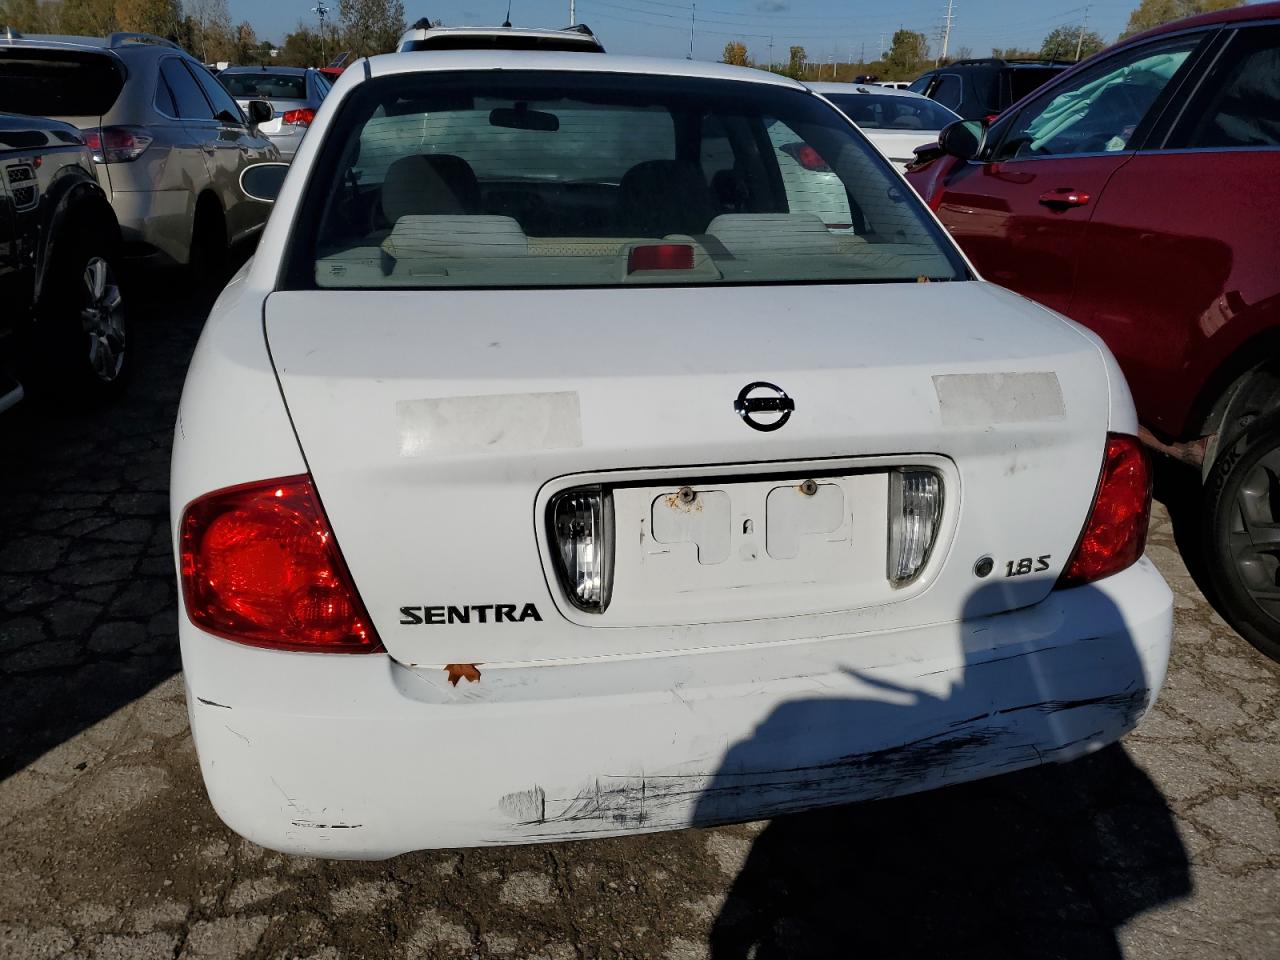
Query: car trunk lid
column 438, row 426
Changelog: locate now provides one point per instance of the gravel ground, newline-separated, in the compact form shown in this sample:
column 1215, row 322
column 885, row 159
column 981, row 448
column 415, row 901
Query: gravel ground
column 1164, row 846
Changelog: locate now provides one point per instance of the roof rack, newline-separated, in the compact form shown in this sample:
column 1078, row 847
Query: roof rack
column 579, row 28
column 121, row 39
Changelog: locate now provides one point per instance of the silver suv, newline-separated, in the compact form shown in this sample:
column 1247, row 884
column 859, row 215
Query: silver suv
column 168, row 141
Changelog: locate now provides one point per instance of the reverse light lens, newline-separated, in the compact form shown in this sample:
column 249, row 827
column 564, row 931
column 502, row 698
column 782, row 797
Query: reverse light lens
column 117, row 144
column 260, row 566
column 1116, row 532
column 301, row 117
column 915, row 508
column 581, row 524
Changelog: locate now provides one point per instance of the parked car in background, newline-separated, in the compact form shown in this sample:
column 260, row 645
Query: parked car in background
column 293, row 93
column 62, row 317
column 895, row 84
column 977, row 89
column 169, row 142
column 1138, row 195
column 577, row 38
column 895, row 121
column 804, row 515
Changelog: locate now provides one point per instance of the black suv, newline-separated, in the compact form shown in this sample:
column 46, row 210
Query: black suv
column 62, row 324
column 980, row 89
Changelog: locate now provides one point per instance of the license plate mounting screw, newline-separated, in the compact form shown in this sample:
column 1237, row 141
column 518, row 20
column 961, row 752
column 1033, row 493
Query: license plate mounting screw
column 809, row 488
column 686, row 495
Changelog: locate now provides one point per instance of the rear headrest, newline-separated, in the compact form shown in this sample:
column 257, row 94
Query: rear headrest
column 784, row 233
column 660, row 197
column 456, row 236
column 429, row 184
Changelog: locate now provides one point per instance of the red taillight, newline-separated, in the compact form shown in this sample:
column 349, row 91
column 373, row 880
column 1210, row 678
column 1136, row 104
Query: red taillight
column 1116, row 532
column 117, row 144
column 301, row 117
column 806, row 156
column 660, row 256
column 990, row 118
column 260, row 566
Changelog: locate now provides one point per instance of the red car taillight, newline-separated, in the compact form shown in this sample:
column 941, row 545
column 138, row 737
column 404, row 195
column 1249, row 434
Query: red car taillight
column 260, row 566
column 1116, row 532
column 301, row 117
column 117, row 144
column 806, row 156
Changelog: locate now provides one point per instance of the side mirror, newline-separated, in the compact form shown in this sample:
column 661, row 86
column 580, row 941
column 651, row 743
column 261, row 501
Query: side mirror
column 262, row 181
column 260, row 112
column 963, row 138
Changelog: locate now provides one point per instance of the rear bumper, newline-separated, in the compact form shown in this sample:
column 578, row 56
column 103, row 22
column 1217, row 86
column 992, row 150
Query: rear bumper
column 359, row 757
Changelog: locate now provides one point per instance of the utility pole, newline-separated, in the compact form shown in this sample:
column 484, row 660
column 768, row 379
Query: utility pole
column 693, row 22
column 321, row 11
column 881, row 56
column 946, row 30
column 1080, row 39
column 573, row 16
column 771, row 52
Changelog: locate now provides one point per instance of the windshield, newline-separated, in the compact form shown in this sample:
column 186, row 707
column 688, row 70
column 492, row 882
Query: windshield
column 275, row 86
column 578, row 179
column 57, row 83
column 872, row 112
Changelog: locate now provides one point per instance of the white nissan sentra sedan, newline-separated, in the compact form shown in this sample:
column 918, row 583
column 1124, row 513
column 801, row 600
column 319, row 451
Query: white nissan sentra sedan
column 544, row 475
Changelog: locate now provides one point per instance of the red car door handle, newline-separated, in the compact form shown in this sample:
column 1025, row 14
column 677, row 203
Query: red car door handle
column 1064, row 198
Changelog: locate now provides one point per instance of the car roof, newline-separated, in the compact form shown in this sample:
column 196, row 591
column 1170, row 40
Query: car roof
column 867, row 88
column 282, row 71
column 135, row 44
column 576, row 35
column 430, row 61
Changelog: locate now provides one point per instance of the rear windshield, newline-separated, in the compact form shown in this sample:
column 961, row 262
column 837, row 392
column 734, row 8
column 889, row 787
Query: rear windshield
column 873, row 112
column 1023, row 80
column 513, row 179
column 278, row 86
column 58, row 83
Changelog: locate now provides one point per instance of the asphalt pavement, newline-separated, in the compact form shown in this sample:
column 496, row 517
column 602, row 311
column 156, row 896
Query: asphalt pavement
column 1164, row 846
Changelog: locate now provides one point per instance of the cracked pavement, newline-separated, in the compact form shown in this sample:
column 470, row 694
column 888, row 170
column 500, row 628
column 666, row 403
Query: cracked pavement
column 1166, row 845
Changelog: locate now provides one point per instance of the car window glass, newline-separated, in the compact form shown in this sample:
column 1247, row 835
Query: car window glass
column 512, row 178
column 1239, row 102
column 267, row 86
column 948, row 91
column 322, row 86
column 164, row 98
column 878, row 112
column 223, row 104
column 1099, row 110
column 190, row 102
column 920, row 84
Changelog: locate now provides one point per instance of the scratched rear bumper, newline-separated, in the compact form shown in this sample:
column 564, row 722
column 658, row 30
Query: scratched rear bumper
column 359, row 757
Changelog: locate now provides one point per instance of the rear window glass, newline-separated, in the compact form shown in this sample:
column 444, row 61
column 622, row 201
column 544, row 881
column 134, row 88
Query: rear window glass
column 280, row 86
column 57, row 83
column 873, row 112
column 577, row 179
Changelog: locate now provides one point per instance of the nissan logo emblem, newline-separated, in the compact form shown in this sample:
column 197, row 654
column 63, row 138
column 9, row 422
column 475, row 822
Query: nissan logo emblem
column 767, row 399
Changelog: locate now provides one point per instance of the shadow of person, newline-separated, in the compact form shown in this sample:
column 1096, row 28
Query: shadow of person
column 1044, row 863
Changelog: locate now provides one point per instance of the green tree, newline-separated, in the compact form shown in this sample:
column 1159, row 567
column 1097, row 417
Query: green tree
column 1063, row 42
column 210, row 28
column 735, row 52
column 1152, row 13
column 160, row 17
column 303, row 48
column 87, row 18
column 795, row 62
column 25, row 16
column 1014, row 53
column 244, row 43
column 907, row 55
column 370, row 26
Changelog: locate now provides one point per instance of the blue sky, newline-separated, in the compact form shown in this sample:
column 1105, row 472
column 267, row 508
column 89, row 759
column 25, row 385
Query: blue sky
column 661, row 27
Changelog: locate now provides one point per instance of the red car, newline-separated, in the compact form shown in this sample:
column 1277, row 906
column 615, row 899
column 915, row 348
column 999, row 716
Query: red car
column 1139, row 194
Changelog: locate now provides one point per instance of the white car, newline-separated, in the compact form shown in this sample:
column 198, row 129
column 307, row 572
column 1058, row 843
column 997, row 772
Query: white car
column 538, row 479
column 896, row 121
